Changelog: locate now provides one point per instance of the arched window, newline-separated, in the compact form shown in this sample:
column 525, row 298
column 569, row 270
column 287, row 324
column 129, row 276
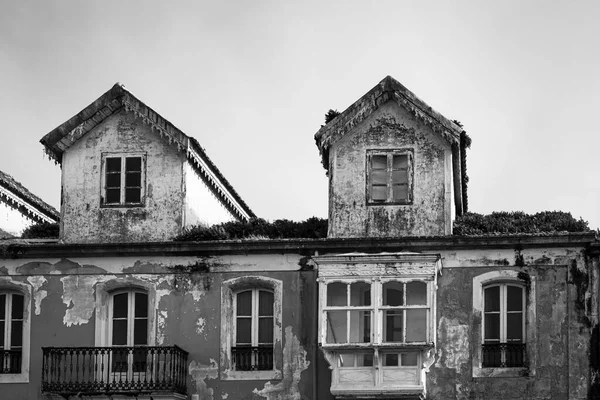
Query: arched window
column 11, row 332
column 503, row 325
column 254, row 328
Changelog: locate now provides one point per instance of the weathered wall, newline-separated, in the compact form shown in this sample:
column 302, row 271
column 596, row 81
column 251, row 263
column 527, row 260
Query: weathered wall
column 559, row 367
column 12, row 221
column 201, row 205
column 83, row 220
column 188, row 298
column 390, row 127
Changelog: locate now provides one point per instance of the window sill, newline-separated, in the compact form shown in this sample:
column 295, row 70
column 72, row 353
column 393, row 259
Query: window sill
column 500, row 372
column 129, row 205
column 251, row 375
column 14, row 378
column 377, row 392
column 383, row 346
column 389, row 203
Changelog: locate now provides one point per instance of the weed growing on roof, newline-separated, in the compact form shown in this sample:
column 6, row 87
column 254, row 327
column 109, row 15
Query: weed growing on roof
column 505, row 222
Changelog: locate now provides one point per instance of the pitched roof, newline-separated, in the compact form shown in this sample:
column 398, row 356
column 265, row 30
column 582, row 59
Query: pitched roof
column 62, row 137
column 18, row 197
column 387, row 90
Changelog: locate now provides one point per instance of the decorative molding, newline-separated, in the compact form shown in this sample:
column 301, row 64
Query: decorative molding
column 16, row 202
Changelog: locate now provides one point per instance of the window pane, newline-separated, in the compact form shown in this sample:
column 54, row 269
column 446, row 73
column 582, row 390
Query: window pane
column 393, row 294
column 379, row 162
column 17, row 306
column 120, row 305
column 141, row 305
column 265, row 303
column 133, row 179
column 244, row 303
column 16, row 335
column 360, row 294
column 2, row 325
column 379, row 177
column 364, row 360
column 2, row 306
column 400, row 162
column 416, row 293
column 113, row 164
column 140, row 331
column 393, row 326
column 133, row 164
column 119, row 337
column 265, row 330
column 243, row 334
column 409, row 359
column 378, row 192
column 399, row 192
column 346, row 360
column 360, row 326
column 390, row 360
column 133, row 195
column 416, row 325
column 514, row 326
column 514, row 298
column 492, row 326
column 336, row 327
column 113, row 195
column 492, row 298
column 399, row 177
column 113, row 180
column 337, row 294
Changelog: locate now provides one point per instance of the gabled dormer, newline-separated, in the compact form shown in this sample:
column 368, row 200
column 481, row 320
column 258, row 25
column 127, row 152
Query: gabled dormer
column 130, row 175
column 395, row 166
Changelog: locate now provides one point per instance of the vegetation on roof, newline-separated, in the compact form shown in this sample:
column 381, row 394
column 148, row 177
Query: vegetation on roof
column 42, row 230
column 312, row 228
column 505, row 222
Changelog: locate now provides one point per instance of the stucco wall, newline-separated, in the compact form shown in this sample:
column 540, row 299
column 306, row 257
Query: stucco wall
column 390, row 127
column 84, row 220
column 201, row 205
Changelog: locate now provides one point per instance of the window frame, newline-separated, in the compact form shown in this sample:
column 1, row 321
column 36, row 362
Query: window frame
column 390, row 153
column 25, row 290
column 130, row 316
column 123, row 156
column 506, row 278
column 229, row 290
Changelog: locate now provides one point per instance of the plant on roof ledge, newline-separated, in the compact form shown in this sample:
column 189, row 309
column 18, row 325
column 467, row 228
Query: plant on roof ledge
column 515, row 222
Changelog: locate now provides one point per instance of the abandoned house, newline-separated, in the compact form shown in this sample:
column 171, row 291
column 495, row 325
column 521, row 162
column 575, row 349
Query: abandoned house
column 390, row 305
column 19, row 208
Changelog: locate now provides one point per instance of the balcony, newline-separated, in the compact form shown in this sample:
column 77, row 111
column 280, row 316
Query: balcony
column 248, row 358
column 114, row 370
column 504, row 355
column 10, row 361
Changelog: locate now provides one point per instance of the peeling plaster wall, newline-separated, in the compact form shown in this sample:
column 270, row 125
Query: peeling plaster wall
column 390, row 127
column 560, row 366
column 82, row 218
column 201, row 205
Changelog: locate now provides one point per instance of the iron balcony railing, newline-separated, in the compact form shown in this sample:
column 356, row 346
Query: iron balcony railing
column 102, row 370
column 504, row 355
column 10, row 361
column 248, row 358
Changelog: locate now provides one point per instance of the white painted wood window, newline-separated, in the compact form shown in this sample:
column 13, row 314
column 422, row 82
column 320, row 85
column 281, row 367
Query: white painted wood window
column 503, row 325
column 389, row 176
column 128, row 328
column 11, row 330
column 123, row 178
column 253, row 330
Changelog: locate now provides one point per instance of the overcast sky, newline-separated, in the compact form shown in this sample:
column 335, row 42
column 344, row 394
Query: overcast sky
column 252, row 80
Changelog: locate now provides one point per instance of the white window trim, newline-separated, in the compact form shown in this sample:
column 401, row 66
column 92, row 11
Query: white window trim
column 130, row 313
column 123, row 157
column 229, row 289
column 104, row 293
column 530, row 337
column 27, row 292
column 254, row 317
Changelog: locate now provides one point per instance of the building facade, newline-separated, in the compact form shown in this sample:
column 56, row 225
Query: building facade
column 390, row 305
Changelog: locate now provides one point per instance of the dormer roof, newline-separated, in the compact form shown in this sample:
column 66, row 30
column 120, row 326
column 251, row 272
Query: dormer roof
column 57, row 141
column 18, row 197
column 388, row 90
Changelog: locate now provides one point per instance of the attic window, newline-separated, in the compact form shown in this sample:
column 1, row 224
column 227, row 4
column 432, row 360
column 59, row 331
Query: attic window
column 123, row 178
column 389, row 176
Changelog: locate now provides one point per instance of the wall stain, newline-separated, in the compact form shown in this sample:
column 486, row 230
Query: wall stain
column 38, row 295
column 294, row 362
column 200, row 373
column 78, row 295
column 63, row 266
